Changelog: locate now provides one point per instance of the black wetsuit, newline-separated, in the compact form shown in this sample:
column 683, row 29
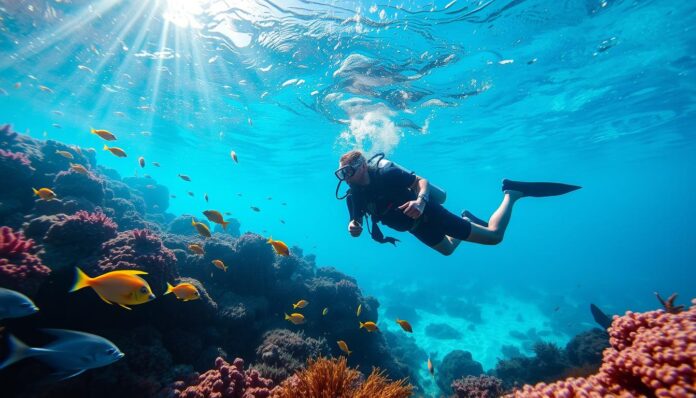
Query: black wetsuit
column 388, row 189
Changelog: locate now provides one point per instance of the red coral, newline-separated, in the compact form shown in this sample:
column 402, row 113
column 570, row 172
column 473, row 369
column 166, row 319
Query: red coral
column 20, row 268
column 651, row 354
column 143, row 250
column 225, row 381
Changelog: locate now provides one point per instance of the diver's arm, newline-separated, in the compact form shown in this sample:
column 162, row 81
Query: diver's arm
column 421, row 186
column 414, row 208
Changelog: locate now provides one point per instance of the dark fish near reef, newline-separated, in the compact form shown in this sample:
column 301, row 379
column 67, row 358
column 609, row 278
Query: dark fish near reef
column 71, row 354
column 256, row 209
column 15, row 305
column 185, row 177
column 600, row 317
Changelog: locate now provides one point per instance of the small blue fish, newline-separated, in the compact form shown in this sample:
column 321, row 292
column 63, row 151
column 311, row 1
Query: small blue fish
column 71, row 354
column 15, row 304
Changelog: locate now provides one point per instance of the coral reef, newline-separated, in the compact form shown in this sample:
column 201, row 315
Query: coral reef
column 70, row 183
column 224, row 381
column 478, row 387
column 454, row 365
column 283, row 352
column 77, row 238
column 651, row 354
column 586, row 348
column 20, row 268
column 139, row 249
column 333, row 378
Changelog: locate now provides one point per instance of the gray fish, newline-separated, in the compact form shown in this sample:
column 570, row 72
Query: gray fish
column 71, row 354
column 15, row 304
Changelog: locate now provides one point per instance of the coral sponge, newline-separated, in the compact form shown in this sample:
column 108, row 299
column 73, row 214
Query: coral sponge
column 225, row 381
column 20, row 268
column 333, row 378
column 651, row 355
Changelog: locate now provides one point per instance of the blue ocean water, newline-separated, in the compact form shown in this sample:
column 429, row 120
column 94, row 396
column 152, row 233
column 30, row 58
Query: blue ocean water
column 595, row 93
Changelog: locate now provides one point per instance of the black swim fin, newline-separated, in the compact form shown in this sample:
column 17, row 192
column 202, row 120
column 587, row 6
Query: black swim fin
column 539, row 189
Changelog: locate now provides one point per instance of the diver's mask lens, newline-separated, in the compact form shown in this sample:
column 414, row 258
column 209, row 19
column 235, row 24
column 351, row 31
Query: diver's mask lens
column 346, row 171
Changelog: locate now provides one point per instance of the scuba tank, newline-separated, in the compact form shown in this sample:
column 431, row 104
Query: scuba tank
column 437, row 194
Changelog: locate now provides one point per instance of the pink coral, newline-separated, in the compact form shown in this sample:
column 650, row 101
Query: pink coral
column 20, row 268
column 18, row 157
column 226, row 381
column 478, row 387
column 651, row 355
column 139, row 249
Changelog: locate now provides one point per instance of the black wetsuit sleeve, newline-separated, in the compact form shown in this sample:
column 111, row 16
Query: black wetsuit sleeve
column 354, row 209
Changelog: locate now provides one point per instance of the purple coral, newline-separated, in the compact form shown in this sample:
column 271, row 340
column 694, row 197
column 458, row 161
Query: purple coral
column 20, row 268
column 225, row 381
column 16, row 169
column 72, row 183
column 139, row 249
column 478, row 387
column 78, row 237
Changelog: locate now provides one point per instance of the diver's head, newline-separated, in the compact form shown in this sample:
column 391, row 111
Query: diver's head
column 352, row 168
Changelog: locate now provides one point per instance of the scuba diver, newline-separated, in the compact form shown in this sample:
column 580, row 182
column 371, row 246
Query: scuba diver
column 404, row 201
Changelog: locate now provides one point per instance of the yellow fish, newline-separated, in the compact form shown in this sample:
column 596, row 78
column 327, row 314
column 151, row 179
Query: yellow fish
column 359, row 311
column 295, row 318
column 78, row 168
column 220, row 264
column 122, row 287
column 280, row 247
column 325, row 311
column 183, row 291
column 344, row 347
column 65, row 154
column 300, row 304
column 215, row 216
column 44, row 193
column 369, row 325
column 196, row 248
column 201, row 228
column 233, row 154
column 118, row 152
column 431, row 368
column 107, row 135
column 405, row 325
column 141, row 162
column 184, row 177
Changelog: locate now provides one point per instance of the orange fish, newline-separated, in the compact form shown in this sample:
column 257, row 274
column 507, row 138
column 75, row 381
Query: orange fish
column 431, row 368
column 216, row 217
column 344, row 347
column 233, row 154
column 118, row 152
column 196, row 248
column 79, row 168
column 220, row 264
column 141, row 161
column 44, row 193
column 300, row 304
column 65, row 154
column 279, row 247
column 105, row 134
column 201, row 228
column 295, row 318
column 405, row 325
column 123, row 287
column 369, row 326
column 183, row 291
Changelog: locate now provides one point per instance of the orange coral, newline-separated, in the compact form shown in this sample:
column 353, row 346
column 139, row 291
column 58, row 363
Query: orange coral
column 333, row 378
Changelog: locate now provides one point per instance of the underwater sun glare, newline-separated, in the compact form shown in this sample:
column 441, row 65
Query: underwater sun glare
column 185, row 13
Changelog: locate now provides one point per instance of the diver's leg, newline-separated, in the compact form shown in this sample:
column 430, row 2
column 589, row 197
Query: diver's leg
column 447, row 245
column 494, row 233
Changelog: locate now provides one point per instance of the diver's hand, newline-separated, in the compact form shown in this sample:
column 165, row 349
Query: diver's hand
column 355, row 228
column 413, row 208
